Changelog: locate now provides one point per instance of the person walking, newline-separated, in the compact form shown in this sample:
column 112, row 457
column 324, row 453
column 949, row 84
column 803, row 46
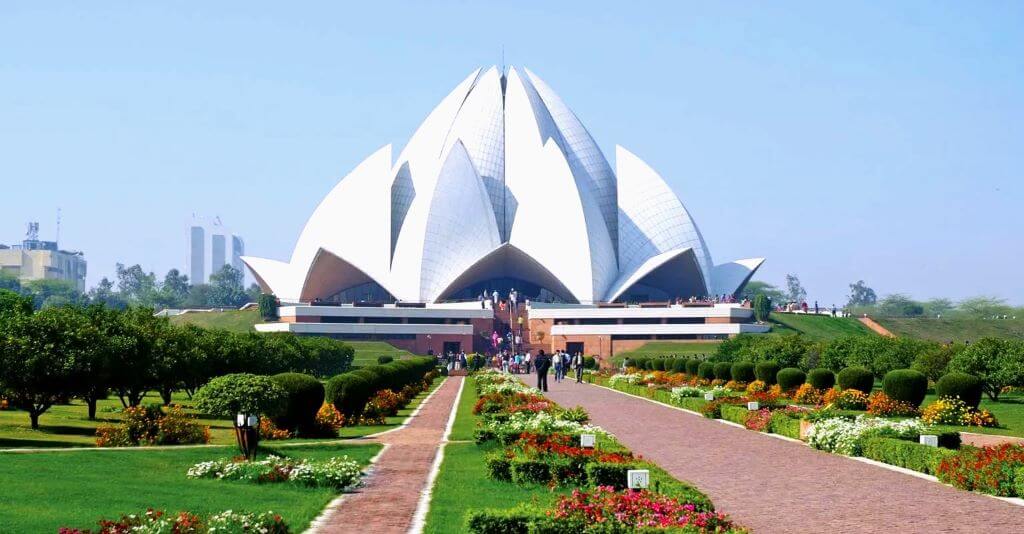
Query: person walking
column 542, row 363
column 527, row 359
column 482, row 299
column 494, row 297
column 556, row 361
column 577, row 365
column 512, row 296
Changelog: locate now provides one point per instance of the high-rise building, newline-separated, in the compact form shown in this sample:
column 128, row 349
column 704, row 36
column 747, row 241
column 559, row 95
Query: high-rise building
column 211, row 246
column 34, row 259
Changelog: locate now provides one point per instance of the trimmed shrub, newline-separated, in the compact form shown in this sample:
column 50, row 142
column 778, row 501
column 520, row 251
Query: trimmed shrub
column 790, row 378
column 305, row 396
column 679, row 365
column 589, row 362
column 905, row 453
column 723, row 371
column 967, row 387
column 734, row 413
column 785, row 425
column 692, row 366
column 743, row 372
column 608, row 474
column 659, row 364
column 385, row 359
column 706, row 370
column 821, row 378
column 499, row 466
column 515, row 521
column 529, row 471
column 766, row 372
column 650, row 364
column 859, row 378
column 906, row 385
column 349, row 393
column 229, row 395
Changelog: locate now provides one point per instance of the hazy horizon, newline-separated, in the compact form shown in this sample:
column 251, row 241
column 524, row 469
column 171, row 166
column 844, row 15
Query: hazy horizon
column 881, row 142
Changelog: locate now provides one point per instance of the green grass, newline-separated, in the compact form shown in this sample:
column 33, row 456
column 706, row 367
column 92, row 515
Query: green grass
column 368, row 351
column 818, row 327
column 465, row 421
column 667, row 348
column 1009, row 412
column 47, row 490
column 953, row 329
column 233, row 320
column 68, row 426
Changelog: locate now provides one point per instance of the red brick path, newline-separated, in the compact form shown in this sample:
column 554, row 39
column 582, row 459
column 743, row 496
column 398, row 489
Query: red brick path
column 771, row 485
column 387, row 501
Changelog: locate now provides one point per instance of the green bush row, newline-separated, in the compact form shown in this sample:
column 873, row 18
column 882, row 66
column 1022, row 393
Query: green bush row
column 349, row 392
column 904, row 453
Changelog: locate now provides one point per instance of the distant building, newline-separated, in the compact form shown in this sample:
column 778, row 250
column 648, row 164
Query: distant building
column 34, row 259
column 211, row 246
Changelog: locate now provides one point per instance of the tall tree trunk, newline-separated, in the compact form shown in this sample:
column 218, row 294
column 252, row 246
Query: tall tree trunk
column 34, row 415
column 91, row 401
column 165, row 394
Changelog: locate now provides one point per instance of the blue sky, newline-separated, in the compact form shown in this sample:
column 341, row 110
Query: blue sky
column 878, row 141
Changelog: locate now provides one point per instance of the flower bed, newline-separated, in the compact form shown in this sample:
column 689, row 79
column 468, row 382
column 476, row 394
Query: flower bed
column 149, row 425
column 160, row 522
column 336, row 473
column 994, row 470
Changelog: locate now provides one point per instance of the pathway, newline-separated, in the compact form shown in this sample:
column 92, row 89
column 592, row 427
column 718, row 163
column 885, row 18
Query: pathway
column 875, row 326
column 387, row 501
column 772, row 485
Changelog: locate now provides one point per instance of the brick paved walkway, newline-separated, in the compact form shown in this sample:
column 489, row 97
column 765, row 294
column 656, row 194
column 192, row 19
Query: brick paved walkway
column 771, row 485
column 387, row 501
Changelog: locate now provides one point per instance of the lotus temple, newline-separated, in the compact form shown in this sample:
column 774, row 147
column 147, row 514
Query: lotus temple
column 502, row 187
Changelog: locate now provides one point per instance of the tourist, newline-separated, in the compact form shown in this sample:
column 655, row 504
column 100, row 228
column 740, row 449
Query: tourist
column 512, row 300
column 833, row 310
column 577, row 365
column 526, row 359
column 482, row 299
column 543, row 362
column 494, row 297
column 559, row 363
column 494, row 340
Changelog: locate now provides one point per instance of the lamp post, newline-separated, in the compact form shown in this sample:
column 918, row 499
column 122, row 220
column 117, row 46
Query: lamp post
column 247, row 433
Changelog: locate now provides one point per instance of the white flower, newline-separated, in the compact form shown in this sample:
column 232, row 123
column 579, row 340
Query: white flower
column 843, row 436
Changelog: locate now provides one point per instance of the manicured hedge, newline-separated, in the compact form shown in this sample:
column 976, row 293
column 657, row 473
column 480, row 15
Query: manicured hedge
column 766, row 371
column 659, row 364
column 723, row 371
column 305, row 396
column 859, row 378
column 967, row 387
column 381, row 360
column 734, row 413
column 706, row 371
column 904, row 453
column 679, row 365
column 785, row 425
column 608, row 474
column 349, row 392
column 692, row 366
column 906, row 385
column 790, row 378
column 821, row 378
column 743, row 372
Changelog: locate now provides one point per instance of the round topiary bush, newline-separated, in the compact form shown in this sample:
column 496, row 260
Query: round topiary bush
column 858, row 378
column 790, row 378
column 650, row 364
column 743, row 372
column 305, row 396
column 589, row 362
column 678, row 365
column 385, row 359
column 905, row 385
column 349, row 392
column 659, row 364
column 723, row 371
column 706, row 370
column 766, row 371
column 821, row 378
column 967, row 387
column 692, row 366
column 240, row 393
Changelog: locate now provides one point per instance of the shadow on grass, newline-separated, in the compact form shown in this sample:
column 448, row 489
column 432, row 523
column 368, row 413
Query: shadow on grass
column 14, row 443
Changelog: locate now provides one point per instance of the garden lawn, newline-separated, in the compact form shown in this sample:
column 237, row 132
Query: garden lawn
column 68, row 426
column 659, row 349
column 46, row 490
column 1009, row 411
column 234, row 320
column 367, row 352
column 958, row 329
column 818, row 327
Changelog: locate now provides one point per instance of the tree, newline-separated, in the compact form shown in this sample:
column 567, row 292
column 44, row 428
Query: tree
column 938, row 306
column 268, row 307
column 135, row 285
column 227, row 289
column 199, row 296
column 794, row 291
column 132, row 365
column 997, row 362
column 762, row 308
column 175, row 287
column 861, row 295
column 897, row 305
column 757, row 287
column 983, row 307
column 45, row 358
column 48, row 293
column 104, row 293
column 14, row 303
column 9, row 282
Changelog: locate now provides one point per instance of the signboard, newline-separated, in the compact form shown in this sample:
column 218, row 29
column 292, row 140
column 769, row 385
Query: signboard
column 929, row 440
column 753, row 405
column 587, row 441
column 638, row 478
column 709, row 396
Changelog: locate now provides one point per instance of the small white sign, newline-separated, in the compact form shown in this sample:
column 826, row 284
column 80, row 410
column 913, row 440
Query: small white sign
column 254, row 421
column 753, row 405
column 587, row 441
column 930, row 440
column 709, row 396
column 638, row 478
